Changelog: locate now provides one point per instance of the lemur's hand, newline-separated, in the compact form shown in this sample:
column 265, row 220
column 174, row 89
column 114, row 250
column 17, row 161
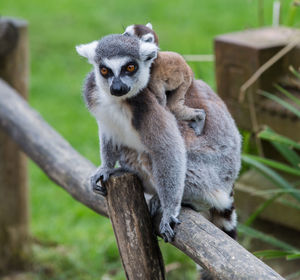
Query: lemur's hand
column 166, row 227
column 197, row 123
column 101, row 175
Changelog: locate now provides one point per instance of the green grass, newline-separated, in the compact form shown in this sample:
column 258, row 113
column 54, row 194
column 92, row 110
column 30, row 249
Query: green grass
column 86, row 247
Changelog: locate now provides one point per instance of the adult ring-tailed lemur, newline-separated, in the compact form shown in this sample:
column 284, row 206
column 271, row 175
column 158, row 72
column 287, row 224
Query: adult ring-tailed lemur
column 176, row 166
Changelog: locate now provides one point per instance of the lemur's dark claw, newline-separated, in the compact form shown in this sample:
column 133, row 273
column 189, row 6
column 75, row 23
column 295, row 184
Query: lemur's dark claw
column 175, row 221
column 100, row 190
column 167, row 232
column 102, row 174
column 166, row 228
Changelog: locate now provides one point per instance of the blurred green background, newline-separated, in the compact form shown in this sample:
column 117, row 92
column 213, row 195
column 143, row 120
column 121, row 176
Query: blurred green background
column 72, row 241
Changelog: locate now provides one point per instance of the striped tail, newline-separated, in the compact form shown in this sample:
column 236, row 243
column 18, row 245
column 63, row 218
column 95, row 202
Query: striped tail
column 225, row 219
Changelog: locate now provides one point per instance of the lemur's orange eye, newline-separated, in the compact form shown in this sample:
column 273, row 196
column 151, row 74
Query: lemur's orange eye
column 130, row 68
column 104, row 71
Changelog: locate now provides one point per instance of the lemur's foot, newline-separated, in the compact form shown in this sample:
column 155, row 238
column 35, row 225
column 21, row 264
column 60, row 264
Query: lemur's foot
column 154, row 205
column 102, row 174
column 198, row 121
column 166, row 227
column 167, row 223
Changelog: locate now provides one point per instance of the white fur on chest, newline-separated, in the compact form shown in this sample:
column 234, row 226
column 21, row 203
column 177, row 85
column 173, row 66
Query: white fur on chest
column 115, row 122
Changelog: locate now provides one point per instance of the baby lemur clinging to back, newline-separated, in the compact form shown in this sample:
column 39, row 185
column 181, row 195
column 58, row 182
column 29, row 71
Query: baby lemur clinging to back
column 171, row 77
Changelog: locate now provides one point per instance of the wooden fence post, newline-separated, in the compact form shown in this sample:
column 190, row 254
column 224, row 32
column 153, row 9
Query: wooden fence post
column 14, row 248
column 130, row 218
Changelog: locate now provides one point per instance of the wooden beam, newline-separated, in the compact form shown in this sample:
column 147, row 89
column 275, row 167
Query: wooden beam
column 130, row 218
column 14, row 216
column 196, row 237
column 9, row 35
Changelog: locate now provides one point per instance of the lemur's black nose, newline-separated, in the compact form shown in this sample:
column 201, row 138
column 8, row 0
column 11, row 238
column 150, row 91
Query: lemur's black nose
column 118, row 88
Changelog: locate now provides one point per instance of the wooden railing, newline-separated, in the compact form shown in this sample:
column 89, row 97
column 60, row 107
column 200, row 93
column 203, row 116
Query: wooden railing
column 196, row 237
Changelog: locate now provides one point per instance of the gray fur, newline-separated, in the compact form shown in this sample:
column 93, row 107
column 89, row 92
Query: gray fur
column 109, row 156
column 117, row 45
column 159, row 132
column 214, row 158
column 89, row 88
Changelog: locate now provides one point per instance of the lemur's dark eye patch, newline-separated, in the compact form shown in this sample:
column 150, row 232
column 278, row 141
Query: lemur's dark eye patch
column 130, row 68
column 105, row 71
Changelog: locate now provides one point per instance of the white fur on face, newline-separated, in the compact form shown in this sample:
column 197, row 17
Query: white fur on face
column 116, row 63
column 137, row 82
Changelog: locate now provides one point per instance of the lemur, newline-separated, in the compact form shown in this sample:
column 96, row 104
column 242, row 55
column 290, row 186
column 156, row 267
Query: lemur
column 130, row 117
column 170, row 79
column 176, row 166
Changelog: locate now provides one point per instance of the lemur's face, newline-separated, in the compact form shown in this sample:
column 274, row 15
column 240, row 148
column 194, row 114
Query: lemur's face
column 122, row 76
column 121, row 64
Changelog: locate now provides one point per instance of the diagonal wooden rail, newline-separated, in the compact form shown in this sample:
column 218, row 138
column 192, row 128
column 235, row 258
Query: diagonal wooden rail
column 196, row 237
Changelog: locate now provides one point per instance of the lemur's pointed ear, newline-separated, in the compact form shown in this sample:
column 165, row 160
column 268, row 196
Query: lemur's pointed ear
column 87, row 50
column 148, row 51
column 149, row 25
column 129, row 30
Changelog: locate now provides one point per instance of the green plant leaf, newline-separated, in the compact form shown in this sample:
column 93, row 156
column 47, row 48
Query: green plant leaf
column 268, row 134
column 277, row 165
column 292, row 13
column 282, row 200
column 272, row 254
column 271, row 174
column 285, row 150
column 294, row 71
column 248, row 231
column 283, row 103
column 276, row 191
column 261, row 208
column 246, row 141
column 293, row 256
column 288, row 94
column 290, row 155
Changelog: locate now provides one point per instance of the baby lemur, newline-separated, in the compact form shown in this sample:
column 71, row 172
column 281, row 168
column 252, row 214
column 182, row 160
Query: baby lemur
column 170, row 79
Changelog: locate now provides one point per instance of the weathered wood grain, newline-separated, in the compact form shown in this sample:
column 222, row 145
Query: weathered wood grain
column 129, row 215
column 9, row 36
column 196, row 237
column 14, row 221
